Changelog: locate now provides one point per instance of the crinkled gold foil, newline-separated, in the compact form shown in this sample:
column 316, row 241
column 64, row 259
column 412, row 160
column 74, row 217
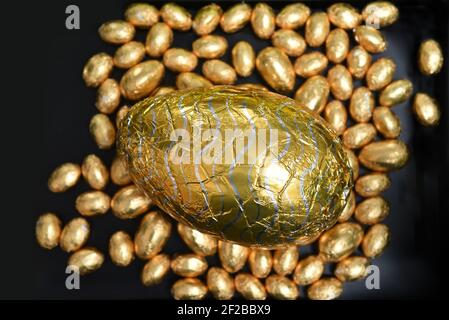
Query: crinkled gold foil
column 295, row 189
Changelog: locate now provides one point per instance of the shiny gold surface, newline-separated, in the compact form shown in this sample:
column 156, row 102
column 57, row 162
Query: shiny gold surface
column 189, row 289
column 140, row 80
column 260, row 262
column 235, row 18
column 352, row 268
column 361, row 105
column 207, row 19
column 358, row 135
column 426, row 110
column 232, row 256
column 180, row 60
column 129, row 202
column 370, row 39
column 74, row 234
column 384, row 155
column 344, row 16
column 158, row 40
column 250, row 287
column 293, row 16
column 92, row 203
column 281, row 288
column 310, row 64
column 116, row 31
column 285, row 260
column 375, row 240
column 340, row 82
column 210, row 46
column 87, row 260
column 380, row 73
column 308, row 270
column 129, row 54
column 263, row 20
column 220, row 284
column 155, row 270
column 386, row 122
column 340, row 241
column 383, row 13
column 255, row 222
column 372, row 184
column 325, row 289
column 120, row 115
column 176, row 16
column 317, row 29
column 108, row 96
column 289, row 41
column 119, row 171
column 190, row 80
column 353, row 162
column 152, row 234
column 64, row 177
column 200, row 243
column 48, row 230
column 189, row 265
column 337, row 45
column 142, row 15
column 102, row 130
column 95, row 172
column 313, row 94
column 358, row 60
column 97, row 69
column 430, row 57
column 372, row 210
column 219, row 72
column 276, row 69
column 349, row 209
column 243, row 58
column 162, row 90
column 336, row 115
column 121, row 249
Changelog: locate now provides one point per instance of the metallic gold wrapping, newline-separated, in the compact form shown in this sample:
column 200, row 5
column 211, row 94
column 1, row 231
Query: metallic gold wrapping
column 284, row 178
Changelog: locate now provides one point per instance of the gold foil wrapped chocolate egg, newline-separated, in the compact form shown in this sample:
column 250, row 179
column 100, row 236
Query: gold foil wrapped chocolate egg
column 251, row 167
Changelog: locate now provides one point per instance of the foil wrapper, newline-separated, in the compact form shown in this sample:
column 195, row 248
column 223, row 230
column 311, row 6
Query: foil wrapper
column 249, row 166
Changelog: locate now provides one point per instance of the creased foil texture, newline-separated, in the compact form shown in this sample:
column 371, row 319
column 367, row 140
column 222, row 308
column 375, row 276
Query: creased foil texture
column 293, row 187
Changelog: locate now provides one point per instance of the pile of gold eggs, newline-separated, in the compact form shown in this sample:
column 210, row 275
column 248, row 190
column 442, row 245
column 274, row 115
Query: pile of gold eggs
column 296, row 34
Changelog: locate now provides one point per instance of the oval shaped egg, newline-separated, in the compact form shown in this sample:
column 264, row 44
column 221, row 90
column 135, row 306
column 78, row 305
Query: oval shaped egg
column 376, row 240
column 313, row 94
column 180, row 60
column 86, row 260
column 308, row 270
column 250, row 287
column 325, row 289
column 370, row 39
column 260, row 262
column 358, row 135
column 430, row 57
column 236, row 17
column 95, row 172
column 243, row 58
column 289, row 41
column 372, row 210
column 189, row 289
column 116, row 31
column 74, row 235
column 395, row 93
column 189, row 265
column 220, row 284
column 426, row 109
column 200, row 243
column 219, row 72
column 121, row 249
column 317, row 29
column 310, row 64
column 359, row 60
column 263, row 20
column 336, row 115
column 361, row 105
column 92, row 203
column 102, row 130
column 380, row 13
column 140, row 80
column 232, row 256
column 190, row 80
column 276, row 69
column 380, row 74
column 293, row 16
column 210, row 46
column 177, row 17
column 340, row 241
column 155, row 270
column 48, row 230
column 64, row 177
column 340, row 82
column 384, row 155
column 344, row 16
column 153, row 233
column 129, row 202
column 337, row 45
column 207, row 19
column 97, row 69
column 352, row 268
column 281, row 288
column 386, row 122
column 142, row 15
column 158, row 40
column 129, row 54
column 372, row 184
column 108, row 96
column 285, row 260
column 191, row 199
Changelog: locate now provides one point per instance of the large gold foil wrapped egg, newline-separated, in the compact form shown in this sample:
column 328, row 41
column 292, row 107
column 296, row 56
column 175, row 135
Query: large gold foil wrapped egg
column 249, row 166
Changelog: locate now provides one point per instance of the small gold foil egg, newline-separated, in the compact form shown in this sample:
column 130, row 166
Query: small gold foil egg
column 92, row 203
column 116, row 31
column 74, row 235
column 250, row 287
column 340, row 82
column 386, row 122
column 344, row 16
column 48, row 230
column 155, row 270
column 370, row 39
column 220, row 284
column 381, row 13
column 97, row 69
column 210, row 46
column 189, row 265
column 291, row 42
column 337, row 45
column 95, row 172
column 285, row 260
column 260, row 262
column 317, row 29
column 142, row 15
column 129, row 55
column 426, row 109
column 180, row 60
column 152, row 234
column 325, row 289
column 281, row 288
column 121, row 249
column 158, row 40
column 232, row 256
column 372, row 184
column 308, row 270
column 176, row 16
column 336, row 115
column 86, row 260
column 361, row 105
column 140, row 80
column 340, row 241
column 64, row 177
column 352, row 268
column 189, row 289
column 207, row 19
column 199, row 242
column 243, row 58
column 263, row 20
column 310, row 64
column 293, row 16
column 359, row 60
column 372, row 210
column 384, row 155
column 313, row 93
column 380, row 74
column 235, row 18
column 358, row 135
column 375, row 240
column 129, row 202
column 395, row 93
column 102, row 130
column 430, row 57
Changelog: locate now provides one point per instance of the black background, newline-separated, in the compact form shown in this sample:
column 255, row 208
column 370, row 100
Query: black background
column 46, row 112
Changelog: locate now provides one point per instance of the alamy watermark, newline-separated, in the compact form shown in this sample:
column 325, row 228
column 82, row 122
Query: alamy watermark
column 72, row 20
